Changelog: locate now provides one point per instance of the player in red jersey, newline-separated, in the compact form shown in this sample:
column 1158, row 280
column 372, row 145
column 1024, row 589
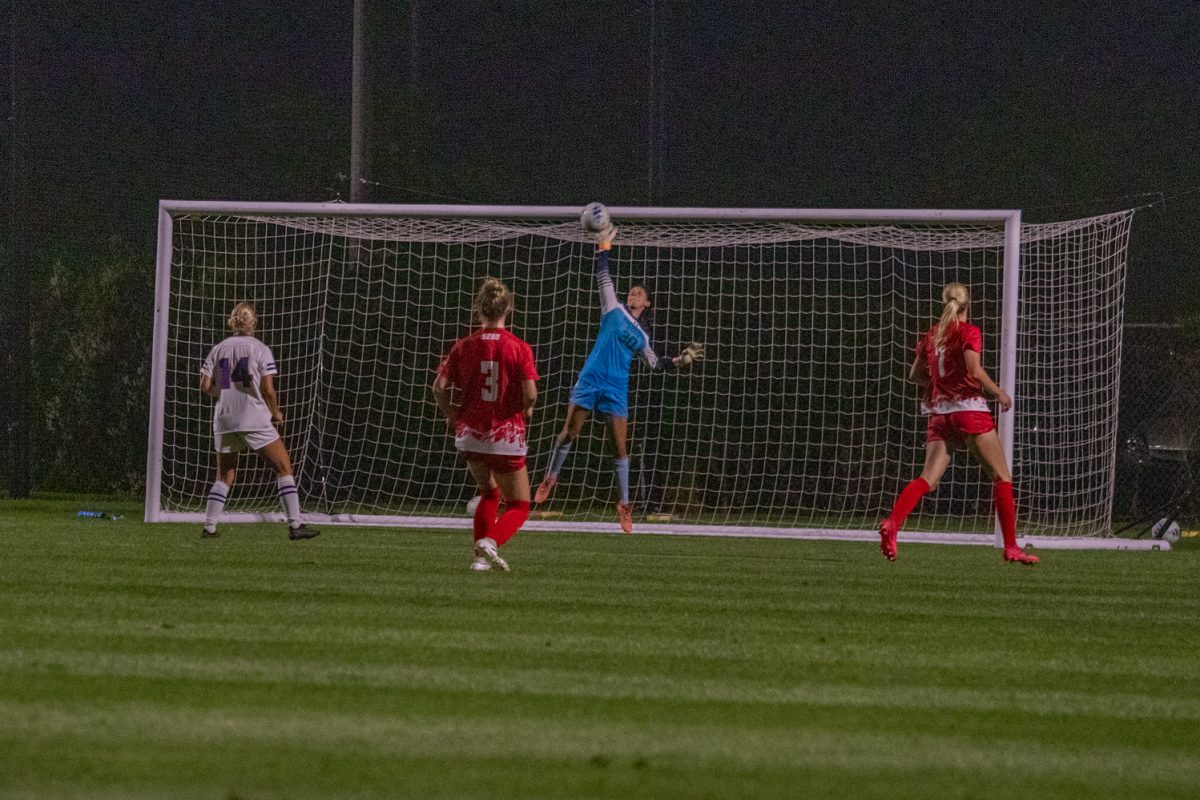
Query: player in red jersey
column 949, row 370
column 496, row 384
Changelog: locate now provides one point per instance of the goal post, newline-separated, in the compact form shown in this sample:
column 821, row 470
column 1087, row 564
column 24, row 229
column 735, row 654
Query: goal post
column 800, row 423
column 1008, row 334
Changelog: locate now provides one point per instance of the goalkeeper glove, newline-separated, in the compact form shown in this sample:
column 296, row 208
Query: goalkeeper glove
column 604, row 239
column 693, row 352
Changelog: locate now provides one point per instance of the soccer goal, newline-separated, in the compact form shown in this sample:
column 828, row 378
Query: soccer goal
column 799, row 423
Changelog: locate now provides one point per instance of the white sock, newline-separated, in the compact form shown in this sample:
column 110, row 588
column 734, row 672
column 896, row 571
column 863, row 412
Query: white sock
column 289, row 497
column 217, row 496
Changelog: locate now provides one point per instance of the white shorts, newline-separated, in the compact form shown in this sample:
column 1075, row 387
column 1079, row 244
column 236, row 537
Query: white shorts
column 237, row 441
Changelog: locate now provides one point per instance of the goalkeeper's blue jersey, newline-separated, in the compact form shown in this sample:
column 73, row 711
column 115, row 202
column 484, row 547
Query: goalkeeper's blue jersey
column 619, row 342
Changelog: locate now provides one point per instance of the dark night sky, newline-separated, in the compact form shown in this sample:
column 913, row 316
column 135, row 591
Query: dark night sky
column 1058, row 108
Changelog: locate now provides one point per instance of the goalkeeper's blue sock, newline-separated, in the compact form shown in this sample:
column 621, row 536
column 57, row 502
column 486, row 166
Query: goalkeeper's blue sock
column 558, row 457
column 622, row 465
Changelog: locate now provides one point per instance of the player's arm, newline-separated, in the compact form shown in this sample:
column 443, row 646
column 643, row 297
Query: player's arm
column 207, row 387
column 608, row 295
column 528, row 397
column 441, row 396
column 690, row 354
column 919, row 373
column 267, row 389
column 975, row 370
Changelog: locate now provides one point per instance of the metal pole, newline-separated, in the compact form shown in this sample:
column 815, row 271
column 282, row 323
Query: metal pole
column 358, row 190
column 652, row 109
column 1008, row 337
column 935, row 215
column 158, row 365
column 18, row 380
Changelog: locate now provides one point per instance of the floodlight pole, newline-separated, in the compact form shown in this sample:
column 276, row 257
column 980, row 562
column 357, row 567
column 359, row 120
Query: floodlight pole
column 358, row 189
column 19, row 418
column 655, row 118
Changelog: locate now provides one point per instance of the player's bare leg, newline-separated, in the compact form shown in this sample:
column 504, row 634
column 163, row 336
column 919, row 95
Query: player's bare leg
column 937, row 459
column 219, row 493
column 289, row 496
column 620, row 429
column 573, row 426
column 991, row 453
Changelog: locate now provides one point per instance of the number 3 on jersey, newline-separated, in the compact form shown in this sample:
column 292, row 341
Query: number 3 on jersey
column 491, row 376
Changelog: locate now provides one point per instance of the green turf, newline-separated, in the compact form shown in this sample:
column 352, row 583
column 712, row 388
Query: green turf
column 140, row 661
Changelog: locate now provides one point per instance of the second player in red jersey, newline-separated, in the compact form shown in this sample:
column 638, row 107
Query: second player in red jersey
column 948, row 366
column 495, row 376
column 950, row 386
column 952, row 398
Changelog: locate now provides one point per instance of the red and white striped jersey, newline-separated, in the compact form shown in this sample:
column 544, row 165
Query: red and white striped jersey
column 488, row 368
column 950, row 387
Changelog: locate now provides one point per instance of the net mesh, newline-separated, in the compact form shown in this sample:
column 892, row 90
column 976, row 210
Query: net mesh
column 800, row 416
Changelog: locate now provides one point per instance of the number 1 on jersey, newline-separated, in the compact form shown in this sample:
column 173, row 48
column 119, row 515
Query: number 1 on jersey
column 491, row 377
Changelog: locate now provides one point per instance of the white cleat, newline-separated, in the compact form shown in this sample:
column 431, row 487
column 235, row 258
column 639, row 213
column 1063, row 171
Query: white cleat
column 486, row 549
column 481, row 564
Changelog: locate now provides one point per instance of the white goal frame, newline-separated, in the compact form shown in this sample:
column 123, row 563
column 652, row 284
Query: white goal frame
column 1010, row 220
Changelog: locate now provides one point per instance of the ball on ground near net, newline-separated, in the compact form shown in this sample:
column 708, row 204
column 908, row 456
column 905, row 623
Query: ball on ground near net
column 595, row 218
column 1168, row 533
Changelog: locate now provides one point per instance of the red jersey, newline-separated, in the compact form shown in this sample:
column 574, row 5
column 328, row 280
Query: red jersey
column 950, row 387
column 489, row 367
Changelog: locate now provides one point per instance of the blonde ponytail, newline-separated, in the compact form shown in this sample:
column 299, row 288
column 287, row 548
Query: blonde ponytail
column 494, row 301
column 243, row 320
column 956, row 299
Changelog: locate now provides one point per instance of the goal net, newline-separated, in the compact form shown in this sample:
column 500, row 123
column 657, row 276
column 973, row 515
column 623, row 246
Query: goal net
column 800, row 418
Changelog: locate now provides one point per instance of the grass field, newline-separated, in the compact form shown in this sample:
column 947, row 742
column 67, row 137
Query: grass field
column 141, row 661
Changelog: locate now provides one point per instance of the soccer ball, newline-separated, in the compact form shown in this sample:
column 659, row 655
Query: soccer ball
column 594, row 218
column 473, row 504
column 1168, row 533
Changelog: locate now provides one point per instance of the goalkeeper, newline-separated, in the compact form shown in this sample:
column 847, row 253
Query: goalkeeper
column 603, row 383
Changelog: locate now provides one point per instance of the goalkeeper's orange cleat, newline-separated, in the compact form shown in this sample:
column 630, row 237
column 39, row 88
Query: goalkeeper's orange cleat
column 625, row 516
column 1019, row 556
column 887, row 538
column 544, row 489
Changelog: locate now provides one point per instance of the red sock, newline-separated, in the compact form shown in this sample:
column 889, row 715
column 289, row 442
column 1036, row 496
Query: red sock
column 908, row 500
column 1006, row 511
column 485, row 513
column 510, row 521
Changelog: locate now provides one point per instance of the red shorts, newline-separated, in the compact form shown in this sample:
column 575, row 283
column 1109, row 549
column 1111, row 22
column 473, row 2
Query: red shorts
column 951, row 428
column 496, row 463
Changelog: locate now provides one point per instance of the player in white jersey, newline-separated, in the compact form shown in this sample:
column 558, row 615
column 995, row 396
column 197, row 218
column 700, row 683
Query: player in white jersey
column 238, row 374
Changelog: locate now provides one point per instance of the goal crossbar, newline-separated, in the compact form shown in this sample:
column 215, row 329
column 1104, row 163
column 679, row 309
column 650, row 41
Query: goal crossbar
column 948, row 215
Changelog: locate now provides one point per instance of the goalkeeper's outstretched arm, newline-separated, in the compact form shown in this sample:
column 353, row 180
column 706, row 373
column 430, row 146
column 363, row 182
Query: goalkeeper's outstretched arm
column 687, row 356
column 608, row 295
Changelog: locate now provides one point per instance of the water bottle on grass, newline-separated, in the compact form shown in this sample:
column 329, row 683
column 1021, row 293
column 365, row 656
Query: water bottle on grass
column 100, row 515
